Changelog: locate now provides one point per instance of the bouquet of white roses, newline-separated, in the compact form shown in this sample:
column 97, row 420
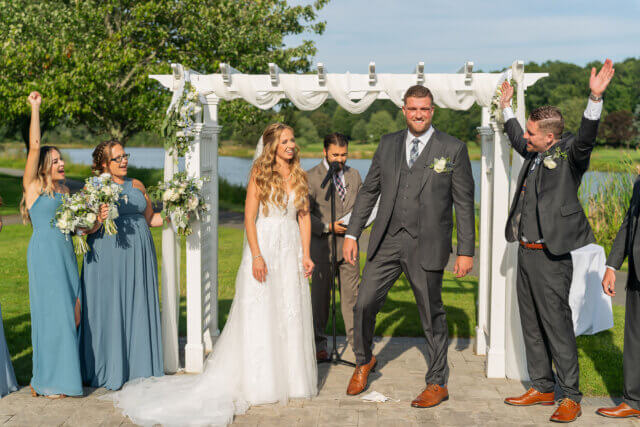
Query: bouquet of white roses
column 181, row 201
column 102, row 190
column 75, row 212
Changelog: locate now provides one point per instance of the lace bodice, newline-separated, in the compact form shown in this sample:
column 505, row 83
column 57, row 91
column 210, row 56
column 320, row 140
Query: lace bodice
column 277, row 212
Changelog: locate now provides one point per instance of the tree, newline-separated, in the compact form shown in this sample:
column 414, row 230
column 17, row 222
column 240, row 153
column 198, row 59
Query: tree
column 91, row 59
column 380, row 124
column 306, row 132
column 322, row 122
column 343, row 121
column 572, row 111
column 401, row 120
column 617, row 128
column 359, row 131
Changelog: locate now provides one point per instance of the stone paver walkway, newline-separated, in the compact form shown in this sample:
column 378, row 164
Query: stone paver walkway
column 474, row 399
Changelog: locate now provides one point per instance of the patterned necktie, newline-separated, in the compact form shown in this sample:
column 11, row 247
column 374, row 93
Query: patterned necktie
column 536, row 162
column 413, row 155
column 342, row 192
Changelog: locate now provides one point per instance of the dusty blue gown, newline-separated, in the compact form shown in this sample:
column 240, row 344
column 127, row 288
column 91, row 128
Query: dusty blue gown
column 121, row 337
column 54, row 286
column 8, row 382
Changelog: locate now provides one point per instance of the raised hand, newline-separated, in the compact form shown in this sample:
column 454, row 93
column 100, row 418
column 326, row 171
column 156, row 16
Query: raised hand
column 35, row 99
column 507, row 94
column 599, row 82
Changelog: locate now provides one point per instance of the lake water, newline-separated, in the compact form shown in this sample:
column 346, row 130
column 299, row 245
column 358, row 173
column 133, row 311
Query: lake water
column 236, row 169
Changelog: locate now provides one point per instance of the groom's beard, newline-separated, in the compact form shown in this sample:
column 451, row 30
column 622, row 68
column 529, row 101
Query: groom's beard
column 340, row 163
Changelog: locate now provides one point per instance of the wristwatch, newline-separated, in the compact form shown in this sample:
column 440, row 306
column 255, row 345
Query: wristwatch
column 326, row 228
column 595, row 98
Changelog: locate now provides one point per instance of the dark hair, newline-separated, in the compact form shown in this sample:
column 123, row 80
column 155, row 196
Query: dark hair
column 549, row 119
column 335, row 138
column 417, row 91
column 102, row 154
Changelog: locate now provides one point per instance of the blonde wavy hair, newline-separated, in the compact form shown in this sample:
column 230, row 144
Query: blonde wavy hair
column 44, row 179
column 265, row 173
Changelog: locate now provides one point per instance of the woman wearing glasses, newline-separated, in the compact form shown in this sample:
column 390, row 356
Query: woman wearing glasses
column 120, row 335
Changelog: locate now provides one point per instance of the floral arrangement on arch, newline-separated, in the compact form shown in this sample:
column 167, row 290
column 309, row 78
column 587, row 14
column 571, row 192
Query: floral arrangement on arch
column 496, row 111
column 182, row 201
column 178, row 125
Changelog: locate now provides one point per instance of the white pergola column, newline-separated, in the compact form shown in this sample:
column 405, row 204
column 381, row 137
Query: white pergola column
column 170, row 284
column 486, row 212
column 202, row 244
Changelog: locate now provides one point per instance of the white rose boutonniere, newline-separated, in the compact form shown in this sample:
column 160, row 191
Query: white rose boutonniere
column 550, row 158
column 442, row 164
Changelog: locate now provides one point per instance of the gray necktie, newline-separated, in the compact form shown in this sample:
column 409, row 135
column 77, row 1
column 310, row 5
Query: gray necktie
column 413, row 155
column 536, row 162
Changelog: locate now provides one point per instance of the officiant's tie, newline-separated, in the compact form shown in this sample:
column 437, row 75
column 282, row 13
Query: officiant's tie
column 342, row 192
column 413, row 154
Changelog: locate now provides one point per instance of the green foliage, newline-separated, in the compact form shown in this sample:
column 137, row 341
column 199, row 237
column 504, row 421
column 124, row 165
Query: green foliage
column 322, row 123
column 380, row 124
column 617, row 128
column 359, row 131
column 306, row 132
column 572, row 111
column 91, row 59
column 343, row 121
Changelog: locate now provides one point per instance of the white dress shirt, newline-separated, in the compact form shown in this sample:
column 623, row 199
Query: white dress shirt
column 424, row 139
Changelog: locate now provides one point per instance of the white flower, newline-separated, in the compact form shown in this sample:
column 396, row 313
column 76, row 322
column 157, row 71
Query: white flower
column 174, row 196
column 91, row 217
column 197, row 109
column 440, row 165
column 167, row 195
column 63, row 224
column 183, row 110
column 113, row 212
column 107, row 190
column 105, row 175
column 180, row 134
column 549, row 162
column 192, row 96
column 192, row 204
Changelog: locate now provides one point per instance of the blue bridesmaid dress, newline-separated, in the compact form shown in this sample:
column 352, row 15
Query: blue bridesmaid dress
column 8, row 382
column 121, row 338
column 54, row 287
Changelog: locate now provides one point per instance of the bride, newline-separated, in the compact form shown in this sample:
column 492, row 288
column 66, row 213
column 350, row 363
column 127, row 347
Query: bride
column 266, row 352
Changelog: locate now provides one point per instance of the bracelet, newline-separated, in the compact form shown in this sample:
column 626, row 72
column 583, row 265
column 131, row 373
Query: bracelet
column 257, row 256
column 595, row 98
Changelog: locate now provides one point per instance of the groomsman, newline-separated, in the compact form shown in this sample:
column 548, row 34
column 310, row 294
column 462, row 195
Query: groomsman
column 627, row 244
column 347, row 182
column 547, row 220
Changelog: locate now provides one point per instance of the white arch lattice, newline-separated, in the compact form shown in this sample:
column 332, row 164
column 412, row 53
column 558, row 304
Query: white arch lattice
column 497, row 333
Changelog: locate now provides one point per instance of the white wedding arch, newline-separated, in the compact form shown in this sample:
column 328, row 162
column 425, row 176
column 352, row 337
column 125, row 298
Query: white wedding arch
column 498, row 327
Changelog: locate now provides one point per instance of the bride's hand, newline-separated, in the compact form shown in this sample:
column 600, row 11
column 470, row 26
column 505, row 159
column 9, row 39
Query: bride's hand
column 308, row 266
column 259, row 269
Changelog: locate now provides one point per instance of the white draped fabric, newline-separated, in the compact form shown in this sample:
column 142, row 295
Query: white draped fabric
column 307, row 92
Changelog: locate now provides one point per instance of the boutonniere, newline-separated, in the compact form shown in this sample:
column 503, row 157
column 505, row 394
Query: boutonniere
column 442, row 164
column 550, row 158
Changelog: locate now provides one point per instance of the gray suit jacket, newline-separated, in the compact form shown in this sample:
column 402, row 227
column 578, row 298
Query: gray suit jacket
column 440, row 193
column 625, row 243
column 563, row 223
column 320, row 208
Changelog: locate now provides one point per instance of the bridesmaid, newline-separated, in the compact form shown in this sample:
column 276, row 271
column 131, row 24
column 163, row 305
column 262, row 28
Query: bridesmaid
column 121, row 338
column 8, row 382
column 54, row 285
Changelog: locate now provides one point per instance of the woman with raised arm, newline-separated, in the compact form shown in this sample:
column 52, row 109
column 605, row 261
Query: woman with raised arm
column 8, row 382
column 121, row 338
column 54, row 285
column 266, row 352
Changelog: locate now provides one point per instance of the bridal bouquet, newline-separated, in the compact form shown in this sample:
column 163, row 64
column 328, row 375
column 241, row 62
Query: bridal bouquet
column 102, row 190
column 181, row 201
column 75, row 212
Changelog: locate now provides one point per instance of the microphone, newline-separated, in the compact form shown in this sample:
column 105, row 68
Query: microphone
column 333, row 168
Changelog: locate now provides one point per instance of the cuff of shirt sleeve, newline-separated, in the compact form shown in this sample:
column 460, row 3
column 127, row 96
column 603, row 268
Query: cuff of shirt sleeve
column 593, row 110
column 608, row 266
column 349, row 236
column 508, row 113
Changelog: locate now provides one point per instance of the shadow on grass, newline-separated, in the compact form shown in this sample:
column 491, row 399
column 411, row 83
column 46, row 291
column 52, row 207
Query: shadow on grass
column 606, row 358
column 17, row 331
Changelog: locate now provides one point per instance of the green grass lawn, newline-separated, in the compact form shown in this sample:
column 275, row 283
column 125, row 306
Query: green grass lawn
column 600, row 355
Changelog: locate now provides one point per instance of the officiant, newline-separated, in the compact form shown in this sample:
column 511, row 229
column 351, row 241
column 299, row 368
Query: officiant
column 347, row 182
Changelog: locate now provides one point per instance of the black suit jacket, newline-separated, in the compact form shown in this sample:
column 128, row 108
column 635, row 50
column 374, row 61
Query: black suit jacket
column 439, row 193
column 563, row 223
column 625, row 243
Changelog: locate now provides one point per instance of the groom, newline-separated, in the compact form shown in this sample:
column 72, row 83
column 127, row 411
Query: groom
column 419, row 173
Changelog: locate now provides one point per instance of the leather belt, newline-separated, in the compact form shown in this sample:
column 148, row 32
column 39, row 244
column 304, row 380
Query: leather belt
column 537, row 246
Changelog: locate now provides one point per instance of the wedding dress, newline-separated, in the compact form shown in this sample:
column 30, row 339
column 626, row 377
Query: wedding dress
column 266, row 352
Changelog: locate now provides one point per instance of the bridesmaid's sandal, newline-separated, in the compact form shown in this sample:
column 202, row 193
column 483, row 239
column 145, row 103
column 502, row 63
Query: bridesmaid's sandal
column 55, row 396
column 33, row 392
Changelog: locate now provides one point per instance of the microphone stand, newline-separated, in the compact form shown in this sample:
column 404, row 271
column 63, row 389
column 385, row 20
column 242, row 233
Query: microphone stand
column 334, row 357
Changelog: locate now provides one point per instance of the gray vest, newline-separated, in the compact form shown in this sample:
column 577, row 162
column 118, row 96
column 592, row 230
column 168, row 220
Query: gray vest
column 407, row 206
column 526, row 219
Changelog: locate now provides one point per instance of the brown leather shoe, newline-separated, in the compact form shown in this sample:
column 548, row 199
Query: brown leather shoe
column 322, row 355
column 531, row 397
column 358, row 381
column 621, row 411
column 567, row 411
column 433, row 395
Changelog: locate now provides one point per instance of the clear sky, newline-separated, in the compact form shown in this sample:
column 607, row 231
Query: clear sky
column 396, row 34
